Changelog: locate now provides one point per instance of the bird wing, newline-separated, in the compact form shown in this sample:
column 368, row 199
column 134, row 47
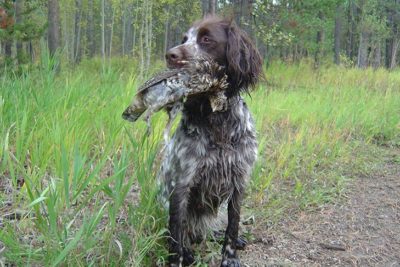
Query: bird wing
column 137, row 107
column 159, row 77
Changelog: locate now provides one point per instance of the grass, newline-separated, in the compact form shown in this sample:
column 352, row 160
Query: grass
column 82, row 181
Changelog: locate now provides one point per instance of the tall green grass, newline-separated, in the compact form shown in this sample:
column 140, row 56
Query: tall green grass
column 83, row 180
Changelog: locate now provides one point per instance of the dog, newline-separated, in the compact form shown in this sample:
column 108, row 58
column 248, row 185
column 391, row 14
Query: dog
column 209, row 158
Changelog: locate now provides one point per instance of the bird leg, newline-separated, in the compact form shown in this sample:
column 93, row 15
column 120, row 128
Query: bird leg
column 147, row 119
column 172, row 113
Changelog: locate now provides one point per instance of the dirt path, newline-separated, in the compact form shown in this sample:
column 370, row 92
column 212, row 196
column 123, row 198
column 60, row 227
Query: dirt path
column 363, row 230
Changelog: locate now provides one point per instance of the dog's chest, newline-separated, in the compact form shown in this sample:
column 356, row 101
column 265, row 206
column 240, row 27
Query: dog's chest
column 212, row 156
column 222, row 149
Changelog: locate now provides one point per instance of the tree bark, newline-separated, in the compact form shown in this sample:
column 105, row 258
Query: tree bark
column 376, row 63
column 395, row 48
column 392, row 43
column 205, row 7
column 149, row 34
column 30, row 51
column 128, row 31
column 319, row 40
column 90, row 30
column 388, row 52
column 18, row 17
column 237, row 9
column 77, row 34
column 64, row 27
column 123, row 33
column 351, row 44
column 111, row 32
column 135, row 25
column 212, row 6
column 103, row 32
column 362, row 58
column 7, row 24
column 8, row 49
column 141, row 43
column 337, row 34
column 54, row 32
column 166, row 32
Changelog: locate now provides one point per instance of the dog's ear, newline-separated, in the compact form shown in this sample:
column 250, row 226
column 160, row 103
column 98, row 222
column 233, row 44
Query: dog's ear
column 244, row 63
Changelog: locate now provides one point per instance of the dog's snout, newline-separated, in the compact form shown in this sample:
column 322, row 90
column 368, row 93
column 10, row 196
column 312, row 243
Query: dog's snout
column 173, row 55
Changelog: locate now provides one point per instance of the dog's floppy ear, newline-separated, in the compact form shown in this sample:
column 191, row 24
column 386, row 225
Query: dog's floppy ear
column 244, row 62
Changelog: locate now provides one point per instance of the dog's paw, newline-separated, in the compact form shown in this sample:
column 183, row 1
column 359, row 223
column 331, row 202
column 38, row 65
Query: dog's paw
column 177, row 263
column 188, row 257
column 241, row 243
column 230, row 262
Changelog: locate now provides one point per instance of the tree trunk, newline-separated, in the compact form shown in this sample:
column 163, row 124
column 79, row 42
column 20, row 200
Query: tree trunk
column 7, row 24
column 141, row 43
column 211, row 7
column 376, row 63
column 128, row 31
column 77, row 32
column 8, row 49
column 166, row 31
column 237, row 9
column 30, row 51
column 362, row 58
column 108, row 17
column 18, row 16
column 123, row 33
column 351, row 44
column 149, row 33
column 205, row 7
column 135, row 28
column 103, row 32
column 111, row 32
column 319, row 40
column 395, row 47
column 337, row 34
column 388, row 52
column 90, row 30
column 54, row 32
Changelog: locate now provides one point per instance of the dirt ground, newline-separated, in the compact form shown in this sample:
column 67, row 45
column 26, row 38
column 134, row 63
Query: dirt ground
column 361, row 230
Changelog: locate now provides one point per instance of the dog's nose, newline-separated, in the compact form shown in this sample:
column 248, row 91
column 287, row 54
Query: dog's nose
column 173, row 56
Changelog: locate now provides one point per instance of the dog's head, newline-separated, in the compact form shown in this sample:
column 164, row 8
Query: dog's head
column 226, row 44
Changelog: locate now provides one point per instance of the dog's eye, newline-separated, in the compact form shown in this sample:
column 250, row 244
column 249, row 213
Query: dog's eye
column 184, row 40
column 205, row 40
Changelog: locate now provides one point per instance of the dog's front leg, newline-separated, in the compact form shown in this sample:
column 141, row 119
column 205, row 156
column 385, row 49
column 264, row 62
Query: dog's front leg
column 179, row 255
column 229, row 256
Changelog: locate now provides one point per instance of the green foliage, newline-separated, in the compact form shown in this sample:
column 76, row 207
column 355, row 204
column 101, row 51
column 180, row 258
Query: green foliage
column 270, row 32
column 285, row 24
column 32, row 26
column 373, row 20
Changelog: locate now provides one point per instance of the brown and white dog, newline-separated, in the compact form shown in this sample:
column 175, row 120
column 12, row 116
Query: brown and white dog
column 210, row 156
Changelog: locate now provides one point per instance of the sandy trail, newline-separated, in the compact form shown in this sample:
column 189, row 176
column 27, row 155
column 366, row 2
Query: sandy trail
column 362, row 230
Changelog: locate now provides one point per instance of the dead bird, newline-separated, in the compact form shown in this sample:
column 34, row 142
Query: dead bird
column 168, row 89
